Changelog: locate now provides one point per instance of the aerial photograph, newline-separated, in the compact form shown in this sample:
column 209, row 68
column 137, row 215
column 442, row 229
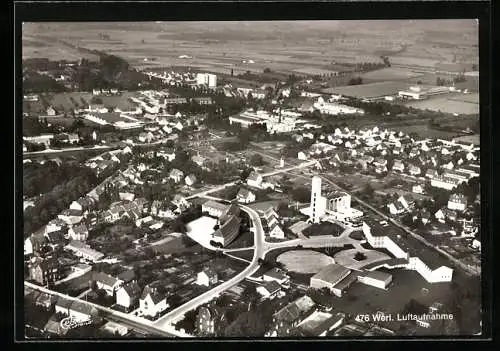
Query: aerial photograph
column 251, row 179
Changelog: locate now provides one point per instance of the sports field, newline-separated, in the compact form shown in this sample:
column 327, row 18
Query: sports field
column 304, row 261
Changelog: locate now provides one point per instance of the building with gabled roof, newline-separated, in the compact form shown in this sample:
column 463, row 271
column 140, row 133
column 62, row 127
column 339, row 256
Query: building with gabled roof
column 107, row 282
column 288, row 317
column 152, row 302
column 245, row 196
column 269, row 289
column 207, row 277
column 128, row 295
column 254, row 179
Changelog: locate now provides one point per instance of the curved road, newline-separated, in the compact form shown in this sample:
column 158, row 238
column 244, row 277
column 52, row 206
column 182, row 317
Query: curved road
column 259, row 246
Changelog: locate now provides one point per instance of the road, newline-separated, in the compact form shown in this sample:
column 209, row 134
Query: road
column 58, row 151
column 128, row 320
column 259, row 246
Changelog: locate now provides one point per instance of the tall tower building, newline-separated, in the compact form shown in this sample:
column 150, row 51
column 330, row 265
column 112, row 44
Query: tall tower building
column 318, row 202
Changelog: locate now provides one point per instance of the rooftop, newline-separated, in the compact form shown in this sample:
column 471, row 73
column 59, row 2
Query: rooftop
column 332, row 272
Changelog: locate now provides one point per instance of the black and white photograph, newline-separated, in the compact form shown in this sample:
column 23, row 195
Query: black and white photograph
column 278, row 179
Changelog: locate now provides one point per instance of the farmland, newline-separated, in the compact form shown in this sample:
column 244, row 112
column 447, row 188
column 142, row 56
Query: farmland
column 447, row 105
column 319, row 45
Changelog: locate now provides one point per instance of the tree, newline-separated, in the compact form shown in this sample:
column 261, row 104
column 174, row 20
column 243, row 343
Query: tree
column 301, row 194
column 188, row 323
column 267, row 70
column 257, row 160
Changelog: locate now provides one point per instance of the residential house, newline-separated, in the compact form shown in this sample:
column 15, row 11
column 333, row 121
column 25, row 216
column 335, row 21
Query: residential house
column 418, row 189
column 146, row 137
column 245, row 196
column 71, row 217
column 380, row 165
column 449, row 165
column 79, row 232
column 398, row 166
column 107, row 283
column 288, row 317
column 431, row 173
column 152, row 302
column 46, row 301
column 407, row 202
column 81, row 311
column 34, row 242
column 396, row 208
column 176, row 175
column 209, row 319
column 126, row 276
column 457, row 202
column 213, row 208
column 269, row 290
column 84, row 251
column 415, row 170
column 254, row 179
column 301, row 156
column 190, row 180
column 199, row 160
column 207, row 277
column 44, row 271
column 128, row 295
column 425, row 216
column 62, row 306
column 276, row 275
column 168, row 154
column 126, row 196
column 414, row 152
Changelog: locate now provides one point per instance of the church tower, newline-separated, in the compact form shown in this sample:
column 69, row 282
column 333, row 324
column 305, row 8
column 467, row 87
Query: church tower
column 318, row 202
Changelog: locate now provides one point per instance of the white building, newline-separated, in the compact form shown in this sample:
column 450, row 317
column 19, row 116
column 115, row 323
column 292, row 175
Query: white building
column 380, row 235
column 207, row 277
column 318, row 202
column 329, row 108
column 376, row 278
column 210, row 80
column 457, row 202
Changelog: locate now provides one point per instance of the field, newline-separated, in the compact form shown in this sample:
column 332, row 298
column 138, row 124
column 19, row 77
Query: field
column 369, row 90
column 473, row 139
column 390, row 73
column 64, row 100
column 279, row 45
column 447, row 105
column 304, row 261
column 324, row 228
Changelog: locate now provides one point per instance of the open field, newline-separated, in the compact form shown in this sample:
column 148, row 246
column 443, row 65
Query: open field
column 447, row 105
column 304, row 261
column 390, row 73
column 369, row 90
column 473, row 139
column 278, row 45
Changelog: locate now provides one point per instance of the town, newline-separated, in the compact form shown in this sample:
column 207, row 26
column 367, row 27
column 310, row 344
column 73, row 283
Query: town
column 189, row 201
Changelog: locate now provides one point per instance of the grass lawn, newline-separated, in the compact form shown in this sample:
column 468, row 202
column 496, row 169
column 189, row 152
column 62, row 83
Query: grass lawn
column 245, row 239
column 324, row 228
column 304, row 261
column 245, row 254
